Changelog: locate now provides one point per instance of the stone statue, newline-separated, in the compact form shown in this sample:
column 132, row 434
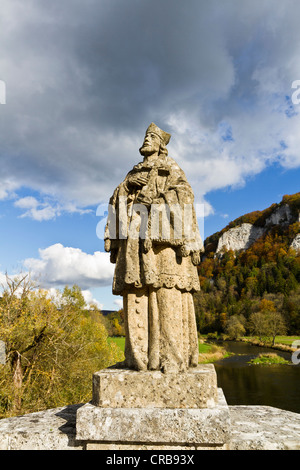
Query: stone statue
column 153, row 237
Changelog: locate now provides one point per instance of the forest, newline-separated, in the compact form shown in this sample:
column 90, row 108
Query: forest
column 265, row 278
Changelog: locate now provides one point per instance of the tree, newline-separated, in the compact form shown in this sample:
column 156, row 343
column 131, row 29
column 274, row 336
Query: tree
column 73, row 297
column 258, row 324
column 267, row 322
column 52, row 348
column 267, row 305
column 235, row 326
column 276, row 325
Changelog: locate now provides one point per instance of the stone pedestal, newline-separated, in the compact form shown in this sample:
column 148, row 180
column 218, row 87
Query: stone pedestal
column 197, row 388
column 151, row 410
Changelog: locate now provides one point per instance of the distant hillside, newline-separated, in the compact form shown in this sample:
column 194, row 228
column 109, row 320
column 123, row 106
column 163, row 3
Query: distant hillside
column 284, row 217
column 255, row 257
column 107, row 312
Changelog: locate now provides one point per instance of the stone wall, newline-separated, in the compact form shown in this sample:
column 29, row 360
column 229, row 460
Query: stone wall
column 252, row 428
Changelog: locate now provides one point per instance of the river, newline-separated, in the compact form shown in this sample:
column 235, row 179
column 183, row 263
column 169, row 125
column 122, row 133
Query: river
column 275, row 385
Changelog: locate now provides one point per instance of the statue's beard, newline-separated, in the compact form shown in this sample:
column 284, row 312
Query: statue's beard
column 146, row 151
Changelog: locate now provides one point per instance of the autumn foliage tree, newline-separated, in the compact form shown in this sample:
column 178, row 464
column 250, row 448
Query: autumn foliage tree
column 267, row 321
column 236, row 282
column 235, row 326
column 52, row 346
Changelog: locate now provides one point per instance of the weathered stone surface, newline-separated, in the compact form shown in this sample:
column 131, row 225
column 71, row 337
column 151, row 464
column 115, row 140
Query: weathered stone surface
column 264, row 428
column 166, row 426
column 239, row 238
column 252, row 428
column 156, row 262
column 195, row 388
column 52, row 429
column 156, row 447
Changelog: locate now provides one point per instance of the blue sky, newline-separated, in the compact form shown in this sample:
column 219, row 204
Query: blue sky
column 84, row 81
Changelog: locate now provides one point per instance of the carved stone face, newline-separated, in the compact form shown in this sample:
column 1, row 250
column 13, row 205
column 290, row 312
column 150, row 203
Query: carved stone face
column 151, row 144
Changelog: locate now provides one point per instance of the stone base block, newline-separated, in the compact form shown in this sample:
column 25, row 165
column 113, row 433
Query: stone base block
column 150, row 428
column 157, row 447
column 124, row 388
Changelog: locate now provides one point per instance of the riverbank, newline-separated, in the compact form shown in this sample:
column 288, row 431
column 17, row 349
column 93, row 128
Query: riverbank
column 211, row 352
column 282, row 343
column 265, row 344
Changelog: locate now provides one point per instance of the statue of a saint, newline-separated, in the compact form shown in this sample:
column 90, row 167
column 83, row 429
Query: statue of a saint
column 153, row 237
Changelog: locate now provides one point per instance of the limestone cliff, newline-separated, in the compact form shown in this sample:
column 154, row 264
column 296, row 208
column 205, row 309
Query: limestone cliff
column 239, row 238
column 244, row 231
column 296, row 243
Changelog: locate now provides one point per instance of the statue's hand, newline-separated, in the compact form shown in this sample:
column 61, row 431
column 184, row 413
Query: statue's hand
column 107, row 245
column 137, row 180
column 183, row 251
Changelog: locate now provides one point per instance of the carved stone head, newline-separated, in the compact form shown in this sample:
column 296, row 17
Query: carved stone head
column 155, row 141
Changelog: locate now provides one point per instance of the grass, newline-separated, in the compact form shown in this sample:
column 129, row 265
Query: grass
column 207, row 352
column 268, row 358
column 286, row 339
column 211, row 353
column 119, row 340
column 204, row 348
column 282, row 343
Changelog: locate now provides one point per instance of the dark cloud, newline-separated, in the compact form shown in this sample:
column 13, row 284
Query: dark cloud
column 84, row 80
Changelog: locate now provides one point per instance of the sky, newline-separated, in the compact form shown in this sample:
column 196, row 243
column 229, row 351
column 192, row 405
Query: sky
column 80, row 82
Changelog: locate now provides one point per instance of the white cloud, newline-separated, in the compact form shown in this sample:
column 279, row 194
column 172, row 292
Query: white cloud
column 59, row 265
column 47, row 210
column 90, row 300
column 35, row 209
column 27, row 202
column 8, row 186
column 118, row 303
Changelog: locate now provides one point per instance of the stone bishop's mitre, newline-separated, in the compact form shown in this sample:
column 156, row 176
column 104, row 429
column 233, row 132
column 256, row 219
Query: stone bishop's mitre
column 165, row 137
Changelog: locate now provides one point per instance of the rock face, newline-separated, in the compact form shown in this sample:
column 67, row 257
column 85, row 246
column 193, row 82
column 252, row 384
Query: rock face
column 296, row 243
column 244, row 235
column 282, row 215
column 239, row 238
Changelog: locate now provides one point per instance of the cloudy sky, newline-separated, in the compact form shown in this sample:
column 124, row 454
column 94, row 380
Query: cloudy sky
column 83, row 82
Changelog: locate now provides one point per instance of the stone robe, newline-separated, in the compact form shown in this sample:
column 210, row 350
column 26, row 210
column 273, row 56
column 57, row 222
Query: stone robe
column 155, row 272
